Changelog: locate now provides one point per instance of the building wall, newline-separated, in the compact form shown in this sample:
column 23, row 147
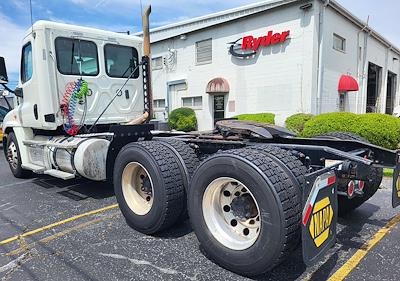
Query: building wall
column 282, row 79
column 351, row 62
column 279, row 79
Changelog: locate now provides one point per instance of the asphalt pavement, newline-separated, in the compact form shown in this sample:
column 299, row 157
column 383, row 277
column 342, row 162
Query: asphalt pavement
column 101, row 246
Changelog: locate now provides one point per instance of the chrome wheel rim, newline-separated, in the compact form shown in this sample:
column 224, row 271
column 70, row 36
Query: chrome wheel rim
column 231, row 213
column 137, row 188
column 12, row 155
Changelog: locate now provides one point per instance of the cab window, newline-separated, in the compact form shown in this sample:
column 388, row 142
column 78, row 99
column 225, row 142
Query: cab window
column 26, row 63
column 76, row 57
column 121, row 61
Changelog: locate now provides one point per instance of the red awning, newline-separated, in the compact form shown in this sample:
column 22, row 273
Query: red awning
column 217, row 86
column 347, row 84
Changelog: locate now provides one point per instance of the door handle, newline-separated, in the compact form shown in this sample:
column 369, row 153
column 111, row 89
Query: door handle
column 35, row 111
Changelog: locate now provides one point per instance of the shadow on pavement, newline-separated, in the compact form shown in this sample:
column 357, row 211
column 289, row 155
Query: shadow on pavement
column 77, row 189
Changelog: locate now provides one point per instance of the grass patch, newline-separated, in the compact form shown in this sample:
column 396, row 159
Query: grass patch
column 388, row 172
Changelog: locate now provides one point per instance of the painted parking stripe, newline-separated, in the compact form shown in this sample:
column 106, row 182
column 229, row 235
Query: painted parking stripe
column 352, row 263
column 47, row 227
column 16, row 183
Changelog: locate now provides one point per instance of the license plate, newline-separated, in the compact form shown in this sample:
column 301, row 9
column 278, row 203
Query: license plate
column 319, row 216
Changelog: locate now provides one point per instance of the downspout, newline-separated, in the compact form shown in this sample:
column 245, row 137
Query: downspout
column 361, row 72
column 365, row 71
column 320, row 55
column 383, row 96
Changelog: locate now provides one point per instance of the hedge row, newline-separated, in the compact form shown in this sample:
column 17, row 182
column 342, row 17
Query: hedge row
column 296, row 122
column 379, row 129
column 183, row 119
column 258, row 117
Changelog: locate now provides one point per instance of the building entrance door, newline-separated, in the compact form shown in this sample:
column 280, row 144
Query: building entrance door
column 176, row 93
column 374, row 85
column 391, row 92
column 219, row 107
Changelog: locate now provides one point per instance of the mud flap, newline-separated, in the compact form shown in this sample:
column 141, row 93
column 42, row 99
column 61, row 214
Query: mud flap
column 396, row 183
column 319, row 215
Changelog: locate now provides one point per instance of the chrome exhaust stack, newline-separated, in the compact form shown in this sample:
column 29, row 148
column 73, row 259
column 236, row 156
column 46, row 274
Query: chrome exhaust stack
column 146, row 67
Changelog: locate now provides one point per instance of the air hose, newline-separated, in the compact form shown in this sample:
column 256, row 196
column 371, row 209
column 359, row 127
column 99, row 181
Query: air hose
column 75, row 91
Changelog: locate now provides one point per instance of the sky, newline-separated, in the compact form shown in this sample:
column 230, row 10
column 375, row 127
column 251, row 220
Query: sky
column 124, row 15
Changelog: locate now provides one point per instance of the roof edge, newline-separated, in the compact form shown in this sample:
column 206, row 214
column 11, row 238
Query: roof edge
column 226, row 13
column 362, row 24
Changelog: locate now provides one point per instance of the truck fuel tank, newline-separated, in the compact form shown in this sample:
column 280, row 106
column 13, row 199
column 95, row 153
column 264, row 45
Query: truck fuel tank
column 86, row 156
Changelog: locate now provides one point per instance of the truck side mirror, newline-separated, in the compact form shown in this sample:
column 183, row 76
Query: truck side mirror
column 19, row 92
column 3, row 72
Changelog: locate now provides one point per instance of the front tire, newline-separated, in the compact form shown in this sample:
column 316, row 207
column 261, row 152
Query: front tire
column 244, row 211
column 13, row 156
column 149, row 186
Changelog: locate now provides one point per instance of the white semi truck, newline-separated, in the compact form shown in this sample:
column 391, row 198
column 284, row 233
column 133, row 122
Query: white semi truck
column 253, row 192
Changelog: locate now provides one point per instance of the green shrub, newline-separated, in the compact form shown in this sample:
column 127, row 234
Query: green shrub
column 258, row 117
column 329, row 122
column 183, row 119
column 379, row 129
column 296, row 122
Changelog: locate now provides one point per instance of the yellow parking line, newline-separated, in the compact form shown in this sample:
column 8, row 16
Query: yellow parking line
column 26, row 247
column 352, row 263
column 32, row 232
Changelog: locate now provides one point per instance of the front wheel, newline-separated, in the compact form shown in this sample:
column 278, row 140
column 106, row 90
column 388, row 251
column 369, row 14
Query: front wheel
column 14, row 158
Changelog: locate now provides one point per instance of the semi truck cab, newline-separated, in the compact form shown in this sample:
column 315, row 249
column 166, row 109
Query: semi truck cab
column 55, row 54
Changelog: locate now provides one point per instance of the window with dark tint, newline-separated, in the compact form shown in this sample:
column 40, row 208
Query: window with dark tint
column 3, row 113
column 121, row 61
column 26, row 63
column 76, row 57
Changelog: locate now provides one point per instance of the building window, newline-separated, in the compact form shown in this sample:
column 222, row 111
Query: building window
column 196, row 102
column 26, row 63
column 76, row 57
column 121, row 61
column 159, row 104
column 339, row 43
column 204, row 51
column 157, row 63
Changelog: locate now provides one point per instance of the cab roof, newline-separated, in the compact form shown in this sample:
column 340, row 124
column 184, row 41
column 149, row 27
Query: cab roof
column 42, row 24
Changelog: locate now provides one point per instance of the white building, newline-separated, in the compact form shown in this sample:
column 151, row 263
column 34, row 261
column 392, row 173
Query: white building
column 298, row 54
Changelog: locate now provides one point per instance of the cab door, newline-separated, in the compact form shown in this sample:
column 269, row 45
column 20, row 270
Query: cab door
column 29, row 110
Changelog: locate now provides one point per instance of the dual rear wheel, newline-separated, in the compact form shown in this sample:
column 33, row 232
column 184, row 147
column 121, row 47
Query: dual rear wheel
column 244, row 204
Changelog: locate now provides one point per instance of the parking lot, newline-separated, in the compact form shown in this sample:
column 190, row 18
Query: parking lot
column 72, row 230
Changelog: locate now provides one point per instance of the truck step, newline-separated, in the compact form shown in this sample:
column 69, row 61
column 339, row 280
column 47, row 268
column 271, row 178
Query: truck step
column 59, row 174
column 34, row 168
column 34, row 143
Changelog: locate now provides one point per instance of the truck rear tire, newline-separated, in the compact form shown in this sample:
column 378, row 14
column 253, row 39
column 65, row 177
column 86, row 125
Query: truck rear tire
column 346, row 205
column 13, row 156
column 149, row 186
column 189, row 161
column 244, row 211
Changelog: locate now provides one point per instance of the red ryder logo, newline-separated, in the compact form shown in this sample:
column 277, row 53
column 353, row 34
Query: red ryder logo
column 251, row 43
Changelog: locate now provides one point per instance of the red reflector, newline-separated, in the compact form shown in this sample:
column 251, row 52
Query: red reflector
column 331, row 180
column 350, row 189
column 307, row 215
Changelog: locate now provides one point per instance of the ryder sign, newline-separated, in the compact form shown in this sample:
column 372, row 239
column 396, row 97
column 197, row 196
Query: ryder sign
column 249, row 42
column 247, row 46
